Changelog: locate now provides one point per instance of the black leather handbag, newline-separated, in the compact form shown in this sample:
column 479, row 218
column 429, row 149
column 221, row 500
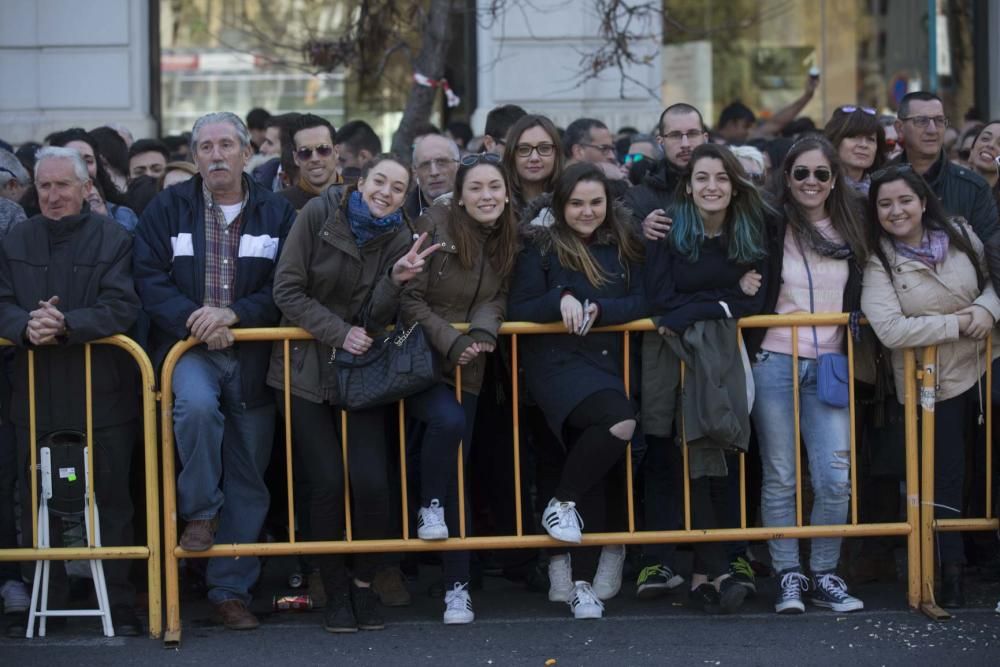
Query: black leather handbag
column 397, row 365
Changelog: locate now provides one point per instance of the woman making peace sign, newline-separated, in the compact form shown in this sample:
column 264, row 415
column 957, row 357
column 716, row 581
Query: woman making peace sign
column 340, row 275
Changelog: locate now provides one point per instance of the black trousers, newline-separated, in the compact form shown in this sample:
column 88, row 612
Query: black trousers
column 316, row 432
column 115, row 446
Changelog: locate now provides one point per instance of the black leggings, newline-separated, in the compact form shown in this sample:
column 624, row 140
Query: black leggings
column 593, row 453
column 316, row 433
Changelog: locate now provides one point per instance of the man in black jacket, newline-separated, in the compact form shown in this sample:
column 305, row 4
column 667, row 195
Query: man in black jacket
column 921, row 124
column 681, row 129
column 66, row 279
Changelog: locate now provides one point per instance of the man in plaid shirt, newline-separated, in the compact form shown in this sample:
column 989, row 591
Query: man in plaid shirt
column 204, row 259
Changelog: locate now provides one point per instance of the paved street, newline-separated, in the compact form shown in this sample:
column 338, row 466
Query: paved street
column 514, row 627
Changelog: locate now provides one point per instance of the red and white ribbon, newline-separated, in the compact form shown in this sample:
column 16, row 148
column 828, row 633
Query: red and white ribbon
column 450, row 97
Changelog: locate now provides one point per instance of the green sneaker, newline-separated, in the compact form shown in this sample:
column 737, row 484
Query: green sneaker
column 655, row 580
column 741, row 571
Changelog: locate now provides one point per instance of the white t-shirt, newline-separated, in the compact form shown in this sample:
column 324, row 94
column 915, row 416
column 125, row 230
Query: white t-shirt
column 231, row 211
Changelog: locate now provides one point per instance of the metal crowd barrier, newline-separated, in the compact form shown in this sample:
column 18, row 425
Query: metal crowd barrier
column 173, row 553
column 151, row 552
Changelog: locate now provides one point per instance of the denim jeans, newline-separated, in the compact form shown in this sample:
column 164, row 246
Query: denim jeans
column 826, row 434
column 222, row 442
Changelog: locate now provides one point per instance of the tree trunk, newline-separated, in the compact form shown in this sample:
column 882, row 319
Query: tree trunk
column 430, row 62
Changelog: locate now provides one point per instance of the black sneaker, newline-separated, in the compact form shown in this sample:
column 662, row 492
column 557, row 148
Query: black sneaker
column 741, row 571
column 732, row 593
column 339, row 617
column 655, row 580
column 791, row 585
column 830, row 591
column 365, row 604
column 706, row 598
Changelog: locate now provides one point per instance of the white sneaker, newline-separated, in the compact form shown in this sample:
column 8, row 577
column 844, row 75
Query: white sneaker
column 562, row 521
column 15, row 597
column 430, row 522
column 458, row 606
column 584, row 603
column 608, row 580
column 560, row 578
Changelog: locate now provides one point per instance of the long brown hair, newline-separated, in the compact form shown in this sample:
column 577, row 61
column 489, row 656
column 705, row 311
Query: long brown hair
column 843, row 205
column 502, row 244
column 522, row 125
column 572, row 252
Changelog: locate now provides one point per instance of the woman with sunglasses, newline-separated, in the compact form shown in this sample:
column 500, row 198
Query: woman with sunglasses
column 711, row 267
column 533, row 159
column 860, row 142
column 583, row 271
column 815, row 257
column 465, row 281
column 339, row 277
column 927, row 284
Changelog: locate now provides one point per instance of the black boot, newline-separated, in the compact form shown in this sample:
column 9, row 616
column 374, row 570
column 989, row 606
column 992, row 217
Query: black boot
column 952, row 596
column 365, row 604
column 339, row 614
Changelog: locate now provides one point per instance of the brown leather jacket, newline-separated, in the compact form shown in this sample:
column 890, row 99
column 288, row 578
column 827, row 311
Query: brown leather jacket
column 322, row 284
column 446, row 292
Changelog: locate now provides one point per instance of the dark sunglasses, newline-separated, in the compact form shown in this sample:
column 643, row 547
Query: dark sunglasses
column 306, row 152
column 890, row 173
column 479, row 158
column 849, row 108
column 822, row 174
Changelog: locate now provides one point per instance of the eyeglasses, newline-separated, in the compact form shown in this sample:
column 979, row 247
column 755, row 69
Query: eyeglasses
column 480, row 158
column 892, row 172
column 925, row 121
column 757, row 178
column 8, row 171
column 677, row 135
column 634, row 157
column 604, row 148
column 543, row 150
column 890, row 143
column 306, row 152
column 849, row 108
column 441, row 163
column 822, row 174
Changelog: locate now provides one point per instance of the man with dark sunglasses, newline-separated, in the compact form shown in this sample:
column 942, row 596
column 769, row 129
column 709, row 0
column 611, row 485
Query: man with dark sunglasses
column 921, row 123
column 315, row 157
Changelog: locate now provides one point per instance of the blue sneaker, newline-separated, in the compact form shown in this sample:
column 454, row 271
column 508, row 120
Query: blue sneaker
column 830, row 591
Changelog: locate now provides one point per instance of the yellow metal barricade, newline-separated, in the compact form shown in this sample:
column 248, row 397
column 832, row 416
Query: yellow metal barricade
column 927, row 374
column 173, row 553
column 151, row 552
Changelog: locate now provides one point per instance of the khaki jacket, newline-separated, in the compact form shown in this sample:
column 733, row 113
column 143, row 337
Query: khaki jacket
column 916, row 307
column 446, row 292
column 322, row 284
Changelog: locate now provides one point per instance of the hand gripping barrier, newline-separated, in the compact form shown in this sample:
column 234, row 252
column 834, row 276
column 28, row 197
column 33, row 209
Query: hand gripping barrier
column 173, row 553
column 151, row 552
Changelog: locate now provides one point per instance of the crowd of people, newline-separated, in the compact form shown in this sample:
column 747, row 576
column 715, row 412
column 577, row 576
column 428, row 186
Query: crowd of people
column 285, row 220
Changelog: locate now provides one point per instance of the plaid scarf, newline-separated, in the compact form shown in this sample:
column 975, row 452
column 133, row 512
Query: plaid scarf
column 932, row 250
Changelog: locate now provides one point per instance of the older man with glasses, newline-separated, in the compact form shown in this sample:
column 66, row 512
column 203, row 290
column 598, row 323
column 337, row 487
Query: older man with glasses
column 435, row 163
column 921, row 124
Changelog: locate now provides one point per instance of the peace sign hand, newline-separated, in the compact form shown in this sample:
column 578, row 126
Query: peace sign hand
column 412, row 263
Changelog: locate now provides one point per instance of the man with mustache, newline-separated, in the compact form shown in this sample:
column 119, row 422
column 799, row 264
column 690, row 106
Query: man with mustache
column 681, row 130
column 205, row 252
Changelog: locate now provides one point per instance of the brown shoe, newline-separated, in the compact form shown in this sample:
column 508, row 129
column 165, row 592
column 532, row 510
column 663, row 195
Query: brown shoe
column 390, row 587
column 236, row 616
column 199, row 534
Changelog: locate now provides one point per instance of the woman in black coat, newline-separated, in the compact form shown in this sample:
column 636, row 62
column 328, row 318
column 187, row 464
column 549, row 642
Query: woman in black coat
column 584, row 271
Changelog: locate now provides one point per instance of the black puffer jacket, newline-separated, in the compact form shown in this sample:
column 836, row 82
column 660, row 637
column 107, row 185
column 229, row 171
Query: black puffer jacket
column 656, row 191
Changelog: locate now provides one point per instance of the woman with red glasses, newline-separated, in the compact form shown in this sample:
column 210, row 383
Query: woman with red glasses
column 860, row 142
column 817, row 249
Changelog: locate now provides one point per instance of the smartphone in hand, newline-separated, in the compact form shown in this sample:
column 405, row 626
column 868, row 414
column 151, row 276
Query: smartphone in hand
column 586, row 318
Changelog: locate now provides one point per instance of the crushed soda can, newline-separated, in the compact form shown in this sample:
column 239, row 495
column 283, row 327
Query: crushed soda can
column 295, row 602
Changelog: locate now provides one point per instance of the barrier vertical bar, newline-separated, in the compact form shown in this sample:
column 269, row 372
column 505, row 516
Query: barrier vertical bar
column 88, row 393
column 989, row 426
column 515, row 397
column 172, row 635
column 685, row 462
column 628, row 449
column 32, row 448
column 288, row 443
column 347, row 476
column 402, row 470
column 927, row 397
column 743, row 463
column 798, row 428
column 461, row 461
column 912, row 477
column 853, row 416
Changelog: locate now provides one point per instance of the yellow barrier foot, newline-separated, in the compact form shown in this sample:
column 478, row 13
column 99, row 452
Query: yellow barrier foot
column 172, row 639
column 934, row 612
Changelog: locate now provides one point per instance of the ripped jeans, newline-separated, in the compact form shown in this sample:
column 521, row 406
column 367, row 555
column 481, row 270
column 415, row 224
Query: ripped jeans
column 826, row 434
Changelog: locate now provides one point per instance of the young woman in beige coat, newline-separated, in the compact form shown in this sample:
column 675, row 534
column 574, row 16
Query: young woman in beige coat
column 927, row 284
